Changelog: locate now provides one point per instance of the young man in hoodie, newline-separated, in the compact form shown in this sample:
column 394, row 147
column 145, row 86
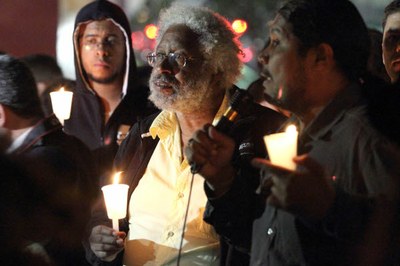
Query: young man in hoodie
column 108, row 98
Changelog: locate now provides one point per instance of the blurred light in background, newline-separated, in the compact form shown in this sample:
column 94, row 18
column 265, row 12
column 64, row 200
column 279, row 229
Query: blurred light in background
column 137, row 40
column 248, row 19
column 151, row 31
column 239, row 26
column 247, row 55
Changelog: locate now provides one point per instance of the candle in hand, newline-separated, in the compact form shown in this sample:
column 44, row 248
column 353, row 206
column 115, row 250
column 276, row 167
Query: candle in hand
column 61, row 102
column 282, row 147
column 116, row 198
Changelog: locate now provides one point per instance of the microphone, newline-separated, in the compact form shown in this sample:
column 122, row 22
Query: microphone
column 240, row 103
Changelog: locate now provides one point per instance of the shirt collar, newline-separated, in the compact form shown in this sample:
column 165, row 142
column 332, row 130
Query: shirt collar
column 333, row 112
column 19, row 140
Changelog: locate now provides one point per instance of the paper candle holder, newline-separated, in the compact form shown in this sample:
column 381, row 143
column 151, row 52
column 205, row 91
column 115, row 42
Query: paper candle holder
column 282, row 147
column 61, row 102
column 116, row 199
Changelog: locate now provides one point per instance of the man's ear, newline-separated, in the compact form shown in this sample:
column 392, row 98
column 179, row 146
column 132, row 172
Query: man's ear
column 324, row 54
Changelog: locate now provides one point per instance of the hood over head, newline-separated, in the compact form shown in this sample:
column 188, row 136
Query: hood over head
column 100, row 10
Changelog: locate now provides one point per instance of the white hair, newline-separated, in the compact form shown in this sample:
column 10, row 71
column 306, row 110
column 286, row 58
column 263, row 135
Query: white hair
column 220, row 45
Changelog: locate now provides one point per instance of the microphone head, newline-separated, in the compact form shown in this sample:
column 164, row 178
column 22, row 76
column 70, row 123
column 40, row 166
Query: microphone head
column 241, row 101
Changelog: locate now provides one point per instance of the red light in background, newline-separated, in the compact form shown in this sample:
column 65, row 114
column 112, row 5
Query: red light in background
column 239, row 26
column 247, row 55
column 151, row 31
column 137, row 40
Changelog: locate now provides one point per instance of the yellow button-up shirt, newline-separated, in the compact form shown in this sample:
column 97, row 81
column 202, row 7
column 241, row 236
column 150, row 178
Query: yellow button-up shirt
column 157, row 207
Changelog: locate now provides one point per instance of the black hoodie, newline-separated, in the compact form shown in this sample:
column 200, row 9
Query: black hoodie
column 87, row 120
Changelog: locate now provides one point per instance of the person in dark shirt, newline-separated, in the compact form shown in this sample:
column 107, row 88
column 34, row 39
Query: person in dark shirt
column 109, row 96
column 60, row 167
column 344, row 192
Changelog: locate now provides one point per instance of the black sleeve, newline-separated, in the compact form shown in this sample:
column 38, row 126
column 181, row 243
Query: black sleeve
column 232, row 215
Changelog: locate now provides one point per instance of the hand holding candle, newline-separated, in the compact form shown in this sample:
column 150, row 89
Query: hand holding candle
column 282, row 147
column 61, row 102
column 116, row 198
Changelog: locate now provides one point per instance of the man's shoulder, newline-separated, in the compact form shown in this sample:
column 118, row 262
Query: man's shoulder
column 265, row 119
column 142, row 126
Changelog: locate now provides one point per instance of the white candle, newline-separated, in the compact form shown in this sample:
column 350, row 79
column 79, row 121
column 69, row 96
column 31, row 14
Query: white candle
column 116, row 198
column 282, row 147
column 61, row 102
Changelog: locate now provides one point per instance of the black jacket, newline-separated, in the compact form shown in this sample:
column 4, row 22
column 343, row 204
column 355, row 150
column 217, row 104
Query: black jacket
column 63, row 175
column 87, row 113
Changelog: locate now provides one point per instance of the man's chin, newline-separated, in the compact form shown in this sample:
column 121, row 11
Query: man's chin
column 103, row 80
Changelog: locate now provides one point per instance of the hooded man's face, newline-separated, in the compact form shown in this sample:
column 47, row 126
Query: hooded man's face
column 102, row 51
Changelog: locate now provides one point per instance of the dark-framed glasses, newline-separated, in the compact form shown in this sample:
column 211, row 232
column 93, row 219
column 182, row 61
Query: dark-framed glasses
column 174, row 59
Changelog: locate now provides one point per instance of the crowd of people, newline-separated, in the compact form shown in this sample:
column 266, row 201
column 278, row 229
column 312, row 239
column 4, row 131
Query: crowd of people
column 190, row 144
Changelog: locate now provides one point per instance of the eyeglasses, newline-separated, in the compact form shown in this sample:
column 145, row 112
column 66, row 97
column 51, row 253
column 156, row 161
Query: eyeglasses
column 93, row 44
column 174, row 59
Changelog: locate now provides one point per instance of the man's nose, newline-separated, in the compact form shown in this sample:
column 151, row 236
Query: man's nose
column 167, row 66
column 102, row 49
column 263, row 57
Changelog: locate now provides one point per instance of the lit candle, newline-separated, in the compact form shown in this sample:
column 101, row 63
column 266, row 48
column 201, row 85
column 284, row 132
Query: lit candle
column 116, row 198
column 61, row 102
column 282, row 147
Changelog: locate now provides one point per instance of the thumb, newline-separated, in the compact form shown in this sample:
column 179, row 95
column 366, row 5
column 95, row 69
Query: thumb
column 309, row 163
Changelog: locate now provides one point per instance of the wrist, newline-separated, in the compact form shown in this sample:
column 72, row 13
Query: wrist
column 223, row 182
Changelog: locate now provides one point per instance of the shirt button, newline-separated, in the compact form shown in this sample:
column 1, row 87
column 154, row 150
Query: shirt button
column 170, row 234
column 270, row 231
column 180, row 195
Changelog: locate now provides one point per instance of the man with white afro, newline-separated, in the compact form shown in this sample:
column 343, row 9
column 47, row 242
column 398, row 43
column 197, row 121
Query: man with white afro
column 195, row 64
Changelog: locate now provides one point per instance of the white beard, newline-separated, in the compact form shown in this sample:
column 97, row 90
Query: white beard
column 194, row 96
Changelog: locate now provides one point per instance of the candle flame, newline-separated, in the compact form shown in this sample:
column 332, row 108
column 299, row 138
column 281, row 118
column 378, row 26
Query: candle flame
column 61, row 89
column 291, row 129
column 116, row 177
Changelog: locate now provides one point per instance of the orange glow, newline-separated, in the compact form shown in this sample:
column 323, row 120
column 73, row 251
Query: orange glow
column 239, row 26
column 116, row 177
column 151, row 31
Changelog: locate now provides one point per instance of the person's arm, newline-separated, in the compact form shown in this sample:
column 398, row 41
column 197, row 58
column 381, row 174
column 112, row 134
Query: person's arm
column 233, row 213
column 232, row 203
column 323, row 205
column 104, row 246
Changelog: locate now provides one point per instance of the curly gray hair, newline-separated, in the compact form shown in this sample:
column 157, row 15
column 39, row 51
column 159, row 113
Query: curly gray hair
column 220, row 45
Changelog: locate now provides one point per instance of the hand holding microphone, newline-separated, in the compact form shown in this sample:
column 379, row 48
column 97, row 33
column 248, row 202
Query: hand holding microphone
column 239, row 104
column 213, row 151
